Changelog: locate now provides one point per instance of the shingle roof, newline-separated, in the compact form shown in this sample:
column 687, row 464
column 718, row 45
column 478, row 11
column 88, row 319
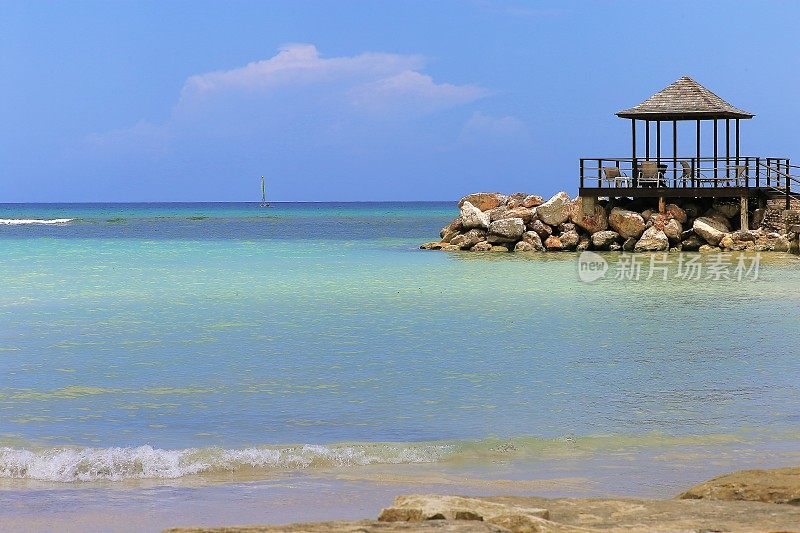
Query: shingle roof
column 682, row 100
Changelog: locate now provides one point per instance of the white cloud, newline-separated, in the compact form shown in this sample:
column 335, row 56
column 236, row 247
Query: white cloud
column 412, row 91
column 296, row 93
column 300, row 64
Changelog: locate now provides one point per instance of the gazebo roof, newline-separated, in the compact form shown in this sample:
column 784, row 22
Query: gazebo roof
column 684, row 99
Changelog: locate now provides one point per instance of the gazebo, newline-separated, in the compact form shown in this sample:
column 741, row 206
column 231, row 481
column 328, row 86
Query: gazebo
column 685, row 100
column 648, row 174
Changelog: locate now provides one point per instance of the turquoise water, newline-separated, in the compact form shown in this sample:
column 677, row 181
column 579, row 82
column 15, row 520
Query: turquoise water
column 163, row 341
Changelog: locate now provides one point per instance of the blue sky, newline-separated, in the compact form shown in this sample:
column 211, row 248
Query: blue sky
column 361, row 100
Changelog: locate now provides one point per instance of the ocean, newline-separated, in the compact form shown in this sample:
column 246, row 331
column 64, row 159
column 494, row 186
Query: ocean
column 219, row 363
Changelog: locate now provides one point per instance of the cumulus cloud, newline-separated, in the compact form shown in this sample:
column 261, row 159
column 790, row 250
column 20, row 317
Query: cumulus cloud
column 412, row 91
column 296, row 90
column 300, row 64
column 314, row 123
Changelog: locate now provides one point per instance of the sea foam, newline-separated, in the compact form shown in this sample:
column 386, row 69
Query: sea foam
column 145, row 462
column 23, row 221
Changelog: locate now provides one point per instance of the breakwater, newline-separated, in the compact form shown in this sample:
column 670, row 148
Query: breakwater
column 520, row 222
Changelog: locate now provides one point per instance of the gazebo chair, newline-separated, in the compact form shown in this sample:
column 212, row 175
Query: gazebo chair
column 613, row 175
column 741, row 176
column 687, row 175
column 649, row 173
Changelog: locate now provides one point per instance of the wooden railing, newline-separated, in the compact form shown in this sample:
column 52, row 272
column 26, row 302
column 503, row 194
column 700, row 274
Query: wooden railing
column 700, row 172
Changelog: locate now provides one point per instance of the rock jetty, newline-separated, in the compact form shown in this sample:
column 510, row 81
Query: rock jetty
column 520, row 222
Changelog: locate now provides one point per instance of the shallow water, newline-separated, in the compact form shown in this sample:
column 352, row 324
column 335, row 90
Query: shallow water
column 164, row 342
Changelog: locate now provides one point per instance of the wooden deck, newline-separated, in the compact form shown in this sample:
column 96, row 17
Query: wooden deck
column 692, row 177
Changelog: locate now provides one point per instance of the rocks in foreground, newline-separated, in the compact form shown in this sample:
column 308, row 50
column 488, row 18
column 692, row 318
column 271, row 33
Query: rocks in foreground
column 780, row 485
column 355, row 526
column 752, row 500
column 495, row 222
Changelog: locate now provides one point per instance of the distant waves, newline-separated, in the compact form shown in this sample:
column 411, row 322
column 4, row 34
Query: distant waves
column 24, row 221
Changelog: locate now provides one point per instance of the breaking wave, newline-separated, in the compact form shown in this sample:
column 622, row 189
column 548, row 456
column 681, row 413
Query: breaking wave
column 66, row 464
column 23, row 221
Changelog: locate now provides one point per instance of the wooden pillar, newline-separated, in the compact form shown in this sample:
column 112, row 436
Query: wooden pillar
column 588, row 204
column 658, row 142
column 697, row 167
column 727, row 147
column 737, row 141
column 662, row 204
column 744, row 212
column 675, row 152
column 647, row 138
column 633, row 150
column 715, row 153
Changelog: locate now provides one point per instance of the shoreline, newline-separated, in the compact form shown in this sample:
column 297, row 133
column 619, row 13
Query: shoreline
column 751, row 500
column 620, row 472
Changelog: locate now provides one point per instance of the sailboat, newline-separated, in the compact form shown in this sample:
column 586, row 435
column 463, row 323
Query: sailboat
column 264, row 202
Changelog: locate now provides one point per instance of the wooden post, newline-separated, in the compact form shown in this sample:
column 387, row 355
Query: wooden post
column 633, row 154
column 658, row 142
column 788, row 182
column 715, row 153
column 758, row 172
column 662, row 204
column 697, row 166
column 588, row 204
column 737, row 141
column 727, row 148
column 744, row 215
column 647, row 138
column 675, row 153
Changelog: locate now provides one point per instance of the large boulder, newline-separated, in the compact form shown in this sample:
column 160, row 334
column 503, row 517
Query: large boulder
column 779, row 485
column 566, row 226
column 673, row 230
column 433, row 245
column 484, row 200
column 506, row 230
column 553, row 244
column 451, row 230
column 499, row 248
column 532, row 201
column 677, row 213
column 728, row 208
column 425, row 507
column 496, row 213
column 592, row 222
column 482, row 246
column 527, row 215
column 710, row 229
column 652, row 240
column 602, row 240
column 472, row 217
column 629, row 224
column 542, row 229
column 469, row 239
column 555, row 210
column 569, row 240
column 532, row 239
column 523, row 246
column 719, row 217
column 516, row 199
